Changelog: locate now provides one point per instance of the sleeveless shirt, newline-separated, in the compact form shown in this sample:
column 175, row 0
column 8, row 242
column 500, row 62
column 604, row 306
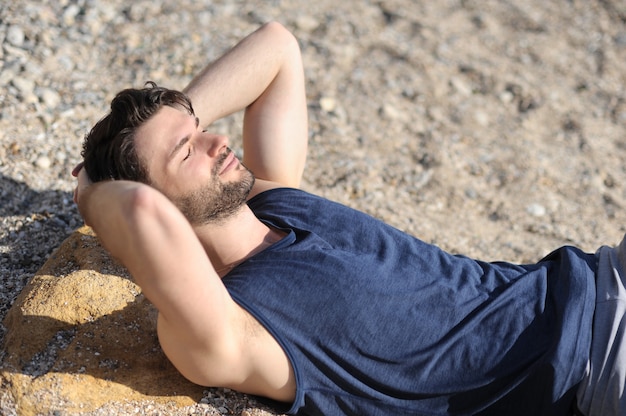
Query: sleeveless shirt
column 377, row 322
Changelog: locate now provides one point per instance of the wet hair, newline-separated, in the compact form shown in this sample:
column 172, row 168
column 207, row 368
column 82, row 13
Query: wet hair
column 109, row 148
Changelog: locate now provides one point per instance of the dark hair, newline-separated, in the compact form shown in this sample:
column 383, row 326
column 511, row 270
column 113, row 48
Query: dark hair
column 109, row 148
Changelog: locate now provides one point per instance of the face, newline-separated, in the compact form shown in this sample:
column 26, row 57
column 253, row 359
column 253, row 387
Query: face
column 192, row 167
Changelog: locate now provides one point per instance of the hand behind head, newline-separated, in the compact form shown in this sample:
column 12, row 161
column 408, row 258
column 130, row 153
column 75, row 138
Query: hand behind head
column 83, row 181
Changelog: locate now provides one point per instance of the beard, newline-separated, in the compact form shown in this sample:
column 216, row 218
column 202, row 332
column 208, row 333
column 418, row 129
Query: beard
column 216, row 202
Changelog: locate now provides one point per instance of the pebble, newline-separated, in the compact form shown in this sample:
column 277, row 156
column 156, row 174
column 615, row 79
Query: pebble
column 536, row 210
column 26, row 90
column 43, row 162
column 390, row 112
column 307, row 23
column 481, row 117
column 328, row 104
column 50, row 97
column 70, row 13
column 25, row 86
column 506, row 97
column 461, row 86
column 15, row 36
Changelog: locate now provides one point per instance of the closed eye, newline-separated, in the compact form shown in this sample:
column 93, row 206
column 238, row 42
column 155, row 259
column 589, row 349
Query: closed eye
column 188, row 154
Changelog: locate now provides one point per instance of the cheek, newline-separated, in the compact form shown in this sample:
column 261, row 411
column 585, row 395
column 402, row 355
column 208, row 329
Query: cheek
column 188, row 177
column 194, row 177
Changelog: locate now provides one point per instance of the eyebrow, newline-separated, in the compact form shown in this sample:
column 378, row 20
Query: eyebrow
column 182, row 142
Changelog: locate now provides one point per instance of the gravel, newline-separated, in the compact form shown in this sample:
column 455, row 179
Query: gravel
column 61, row 63
column 492, row 128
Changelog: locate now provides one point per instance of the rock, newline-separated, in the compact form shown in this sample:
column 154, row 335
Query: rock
column 26, row 88
column 536, row 210
column 43, row 162
column 461, row 86
column 482, row 118
column 390, row 112
column 15, row 36
column 306, row 23
column 81, row 335
column 69, row 15
column 327, row 104
column 50, row 97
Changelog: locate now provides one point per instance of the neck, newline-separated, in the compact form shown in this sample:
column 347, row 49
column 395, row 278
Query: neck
column 236, row 239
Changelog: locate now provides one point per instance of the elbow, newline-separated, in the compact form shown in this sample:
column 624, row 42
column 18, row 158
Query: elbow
column 127, row 214
column 143, row 215
column 114, row 204
column 137, row 202
column 120, row 212
column 148, row 212
column 276, row 27
column 144, row 207
column 281, row 34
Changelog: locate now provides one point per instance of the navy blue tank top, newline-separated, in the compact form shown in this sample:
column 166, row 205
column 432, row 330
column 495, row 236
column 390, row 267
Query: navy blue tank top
column 377, row 322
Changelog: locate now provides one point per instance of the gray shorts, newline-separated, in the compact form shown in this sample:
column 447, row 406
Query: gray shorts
column 601, row 392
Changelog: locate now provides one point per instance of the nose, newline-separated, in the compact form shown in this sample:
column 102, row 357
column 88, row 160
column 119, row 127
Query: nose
column 216, row 143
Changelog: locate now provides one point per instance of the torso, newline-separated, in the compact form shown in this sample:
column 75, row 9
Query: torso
column 272, row 374
column 380, row 361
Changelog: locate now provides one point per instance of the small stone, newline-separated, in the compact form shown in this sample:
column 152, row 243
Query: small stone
column 390, row 112
column 471, row 193
column 24, row 85
column 328, row 104
column 50, row 97
column 536, row 210
column 506, row 97
column 461, row 86
column 436, row 113
column 15, row 36
column 69, row 15
column 33, row 69
column 482, row 118
column 43, row 162
column 307, row 23
column 14, row 148
column 61, row 156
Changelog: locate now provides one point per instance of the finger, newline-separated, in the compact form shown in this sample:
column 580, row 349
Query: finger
column 83, row 178
column 77, row 169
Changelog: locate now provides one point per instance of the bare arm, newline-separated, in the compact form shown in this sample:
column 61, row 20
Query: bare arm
column 142, row 228
column 199, row 323
column 146, row 232
column 262, row 74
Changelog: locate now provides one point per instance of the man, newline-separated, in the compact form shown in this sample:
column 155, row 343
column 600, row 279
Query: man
column 269, row 290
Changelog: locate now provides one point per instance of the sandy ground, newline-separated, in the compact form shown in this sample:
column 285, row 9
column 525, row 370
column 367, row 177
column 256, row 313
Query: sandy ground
column 494, row 129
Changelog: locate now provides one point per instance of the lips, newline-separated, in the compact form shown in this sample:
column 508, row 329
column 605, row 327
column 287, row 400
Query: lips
column 228, row 162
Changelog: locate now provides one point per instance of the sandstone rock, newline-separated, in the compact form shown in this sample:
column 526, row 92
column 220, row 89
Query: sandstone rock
column 81, row 335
